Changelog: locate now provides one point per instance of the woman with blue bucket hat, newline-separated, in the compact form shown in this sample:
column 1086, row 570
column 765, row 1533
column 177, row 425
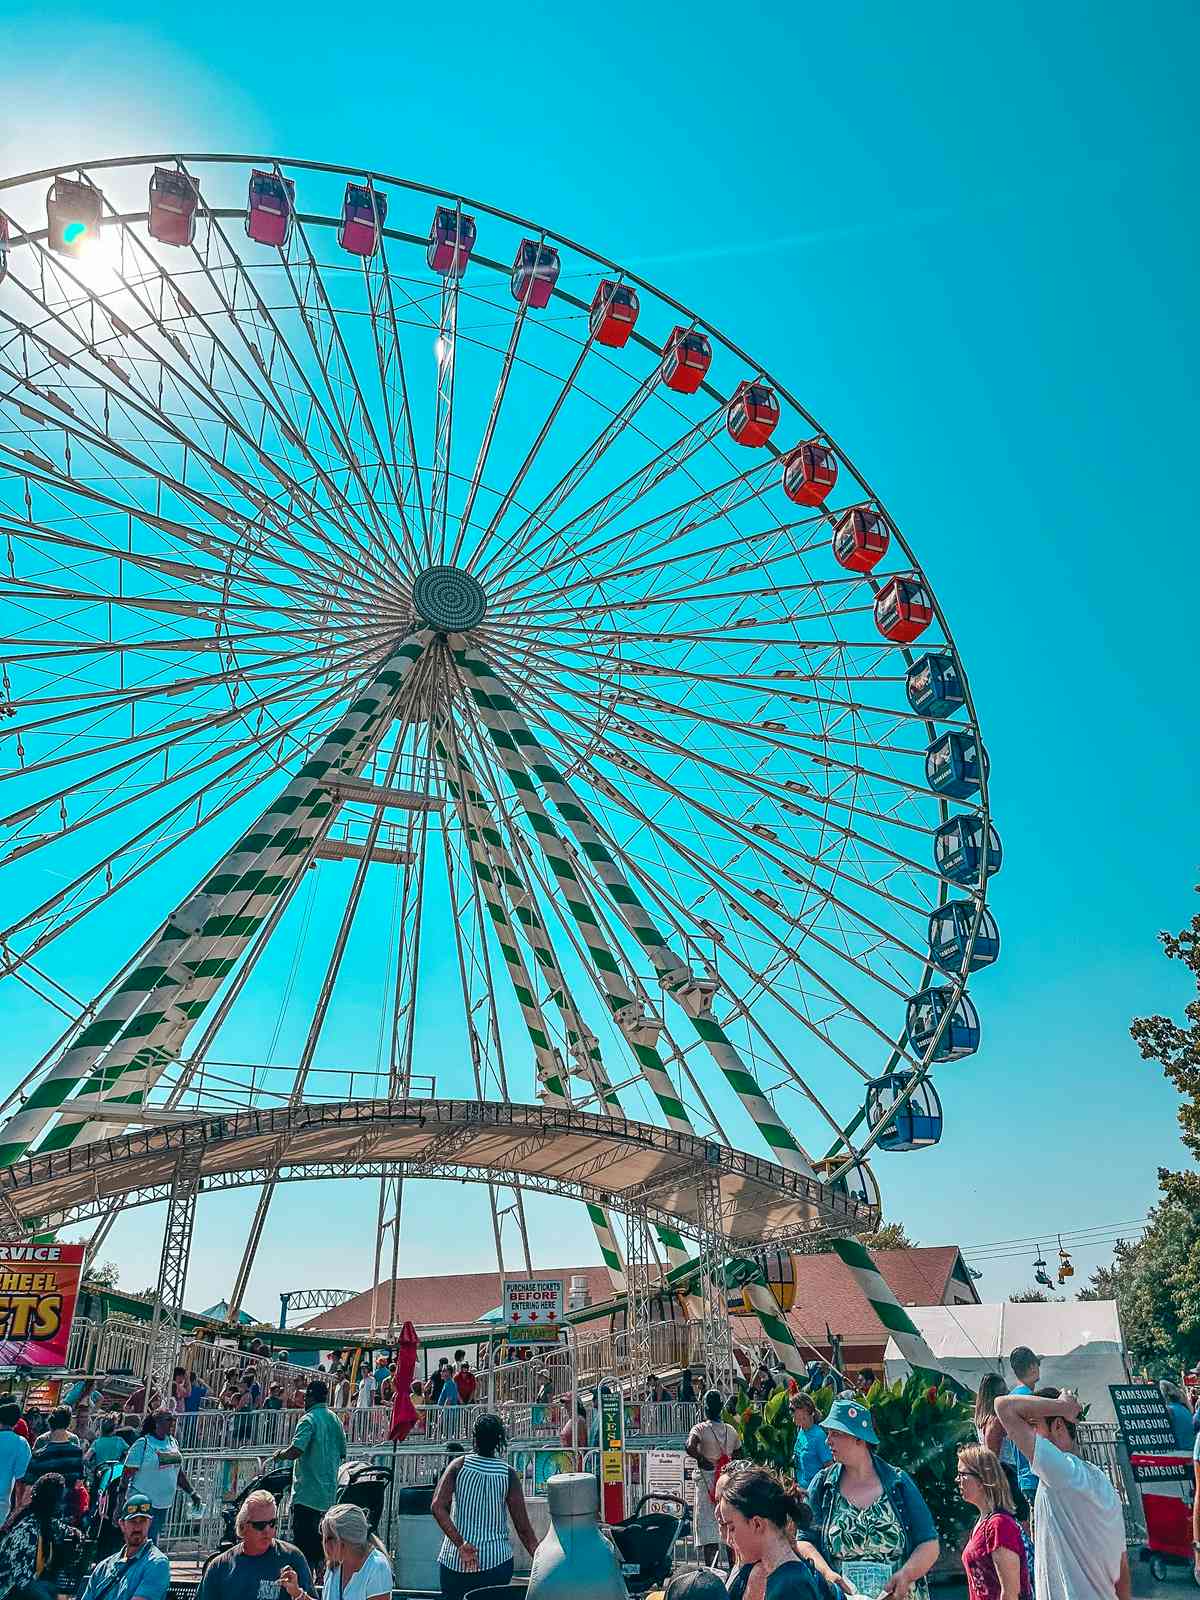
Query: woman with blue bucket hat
column 869, row 1518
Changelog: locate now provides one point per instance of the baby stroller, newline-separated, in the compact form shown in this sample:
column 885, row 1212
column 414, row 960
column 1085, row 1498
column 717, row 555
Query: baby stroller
column 276, row 1480
column 645, row 1543
column 102, row 1537
column 362, row 1483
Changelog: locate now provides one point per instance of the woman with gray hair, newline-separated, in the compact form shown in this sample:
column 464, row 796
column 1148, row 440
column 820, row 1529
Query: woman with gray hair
column 356, row 1564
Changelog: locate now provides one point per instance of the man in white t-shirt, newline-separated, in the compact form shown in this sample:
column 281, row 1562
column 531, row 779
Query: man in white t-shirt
column 1078, row 1527
column 366, row 1390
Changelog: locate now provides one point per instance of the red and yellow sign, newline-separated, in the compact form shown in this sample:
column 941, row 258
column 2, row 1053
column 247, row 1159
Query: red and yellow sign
column 39, row 1285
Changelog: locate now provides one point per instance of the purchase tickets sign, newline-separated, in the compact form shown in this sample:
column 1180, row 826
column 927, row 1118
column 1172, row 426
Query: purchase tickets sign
column 533, row 1308
column 39, row 1285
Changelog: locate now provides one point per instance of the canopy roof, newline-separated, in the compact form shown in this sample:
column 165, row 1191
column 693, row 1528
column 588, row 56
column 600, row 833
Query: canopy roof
column 610, row 1160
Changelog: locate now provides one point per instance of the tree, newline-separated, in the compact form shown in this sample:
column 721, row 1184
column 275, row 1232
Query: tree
column 1030, row 1297
column 888, row 1236
column 1155, row 1280
column 1176, row 1047
column 104, row 1275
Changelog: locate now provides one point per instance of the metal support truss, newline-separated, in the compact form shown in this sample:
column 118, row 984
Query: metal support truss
column 172, row 1270
column 641, row 1281
column 717, row 1336
column 311, row 1300
column 12, row 1229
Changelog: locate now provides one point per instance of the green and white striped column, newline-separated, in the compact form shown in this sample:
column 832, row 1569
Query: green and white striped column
column 891, row 1313
column 621, row 999
column 524, row 760
column 199, row 943
column 506, row 877
column 135, row 1061
column 545, row 1059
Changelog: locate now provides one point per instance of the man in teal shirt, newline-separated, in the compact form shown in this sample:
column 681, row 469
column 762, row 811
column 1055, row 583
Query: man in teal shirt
column 318, row 1448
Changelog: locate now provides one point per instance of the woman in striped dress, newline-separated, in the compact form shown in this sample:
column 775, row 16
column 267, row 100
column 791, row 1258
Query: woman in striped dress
column 477, row 1495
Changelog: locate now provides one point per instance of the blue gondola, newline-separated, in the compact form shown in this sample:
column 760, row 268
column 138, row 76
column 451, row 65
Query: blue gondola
column 857, row 1183
column 958, row 848
column 952, row 763
column 960, row 1037
column 916, row 1124
column 950, row 932
column 934, row 686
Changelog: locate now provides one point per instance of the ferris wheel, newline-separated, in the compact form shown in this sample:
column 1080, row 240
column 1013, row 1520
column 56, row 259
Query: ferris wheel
column 368, row 547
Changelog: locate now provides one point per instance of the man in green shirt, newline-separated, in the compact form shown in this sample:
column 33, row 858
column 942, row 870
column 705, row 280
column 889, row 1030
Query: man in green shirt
column 318, row 1448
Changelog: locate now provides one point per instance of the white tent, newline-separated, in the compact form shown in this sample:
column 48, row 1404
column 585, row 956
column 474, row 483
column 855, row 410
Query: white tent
column 1079, row 1342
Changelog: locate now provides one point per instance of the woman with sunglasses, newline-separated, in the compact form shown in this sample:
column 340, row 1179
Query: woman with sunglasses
column 259, row 1562
column 994, row 1555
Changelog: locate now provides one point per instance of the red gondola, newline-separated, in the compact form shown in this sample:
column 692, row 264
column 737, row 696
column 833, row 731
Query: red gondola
column 752, row 414
column 903, row 608
column 613, row 313
column 72, row 215
column 809, row 473
column 4, row 239
column 451, row 240
column 173, row 202
column 861, row 537
column 270, row 206
column 687, row 356
column 363, row 211
column 534, row 273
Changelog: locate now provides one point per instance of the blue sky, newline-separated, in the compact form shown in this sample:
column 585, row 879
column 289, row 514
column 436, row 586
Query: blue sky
column 967, row 240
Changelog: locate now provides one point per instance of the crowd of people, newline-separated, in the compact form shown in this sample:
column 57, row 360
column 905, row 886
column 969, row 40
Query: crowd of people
column 1047, row 1522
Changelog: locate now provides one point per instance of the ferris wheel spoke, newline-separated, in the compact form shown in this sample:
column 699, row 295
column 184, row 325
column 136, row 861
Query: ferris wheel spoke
column 443, row 416
column 516, row 545
column 737, row 896
column 146, row 405
column 586, row 1051
column 509, row 733
column 244, row 885
column 355, row 422
column 319, row 1014
column 627, row 1012
column 669, row 530
column 762, row 787
column 103, row 448
column 272, row 661
column 676, row 551
column 103, row 702
column 485, row 444
column 393, row 390
column 741, row 836
column 60, row 904
column 248, row 313
column 487, row 1050
column 510, row 887
column 253, row 747
column 592, row 519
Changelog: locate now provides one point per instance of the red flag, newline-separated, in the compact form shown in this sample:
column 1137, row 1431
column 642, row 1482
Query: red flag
column 404, row 1413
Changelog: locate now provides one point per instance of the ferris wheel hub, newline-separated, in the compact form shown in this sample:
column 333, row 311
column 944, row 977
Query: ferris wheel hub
column 449, row 599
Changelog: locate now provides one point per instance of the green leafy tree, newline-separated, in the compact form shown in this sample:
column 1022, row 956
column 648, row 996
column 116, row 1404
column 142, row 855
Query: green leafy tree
column 889, row 1236
column 104, row 1275
column 1031, row 1297
column 1176, row 1047
column 920, row 1427
column 1155, row 1280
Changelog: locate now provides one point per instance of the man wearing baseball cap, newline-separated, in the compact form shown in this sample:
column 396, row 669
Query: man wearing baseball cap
column 139, row 1570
